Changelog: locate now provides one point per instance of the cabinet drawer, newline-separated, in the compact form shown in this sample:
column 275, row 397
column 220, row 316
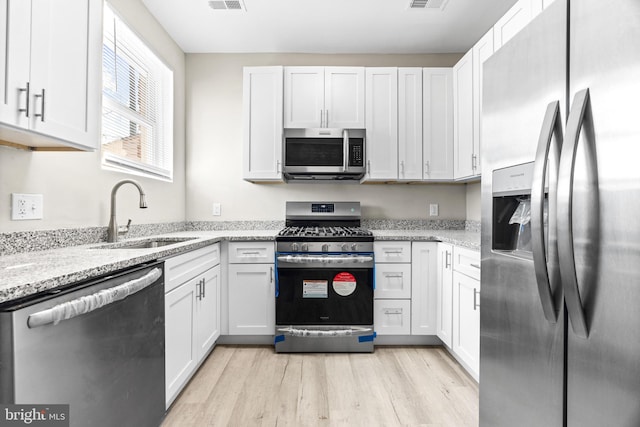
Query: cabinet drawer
column 393, row 281
column 251, row 252
column 180, row 268
column 392, row 251
column 467, row 262
column 392, row 316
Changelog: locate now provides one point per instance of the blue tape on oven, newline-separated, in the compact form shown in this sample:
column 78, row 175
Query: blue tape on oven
column 276, row 273
column 367, row 338
column 277, row 339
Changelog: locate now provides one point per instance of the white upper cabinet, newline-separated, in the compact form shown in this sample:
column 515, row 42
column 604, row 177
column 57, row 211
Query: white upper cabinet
column 324, row 97
column 262, row 123
column 438, row 124
column 410, row 124
column 515, row 20
column 59, row 46
column 382, row 124
column 463, row 117
column 482, row 50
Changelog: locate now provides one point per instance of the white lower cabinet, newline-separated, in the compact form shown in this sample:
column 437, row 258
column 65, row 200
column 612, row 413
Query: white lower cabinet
column 424, row 291
column 251, row 289
column 192, row 314
column 392, row 316
column 466, row 321
column 444, row 321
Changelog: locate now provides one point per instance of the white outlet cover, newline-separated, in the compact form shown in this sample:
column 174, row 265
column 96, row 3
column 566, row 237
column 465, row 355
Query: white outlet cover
column 433, row 209
column 26, row 206
column 217, row 208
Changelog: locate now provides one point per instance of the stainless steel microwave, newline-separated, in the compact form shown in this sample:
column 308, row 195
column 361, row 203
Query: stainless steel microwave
column 324, row 154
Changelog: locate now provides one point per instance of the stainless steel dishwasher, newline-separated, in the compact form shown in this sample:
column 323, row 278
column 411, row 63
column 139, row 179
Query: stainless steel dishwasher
column 97, row 346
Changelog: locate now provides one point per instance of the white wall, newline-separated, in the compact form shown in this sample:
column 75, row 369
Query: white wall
column 76, row 190
column 214, row 147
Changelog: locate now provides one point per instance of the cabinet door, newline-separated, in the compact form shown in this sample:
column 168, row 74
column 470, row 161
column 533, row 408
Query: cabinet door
column 15, row 36
column 410, row 123
column 66, row 64
column 423, row 293
column 463, row 117
column 444, row 298
column 181, row 350
column 344, row 97
column 392, row 316
column 438, row 124
column 482, row 50
column 251, row 299
column 208, row 310
column 382, row 124
column 303, row 97
column 262, row 116
column 393, row 281
column 515, row 20
column 466, row 321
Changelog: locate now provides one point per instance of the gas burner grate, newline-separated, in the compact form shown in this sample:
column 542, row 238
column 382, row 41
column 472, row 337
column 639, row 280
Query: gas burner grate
column 324, row 232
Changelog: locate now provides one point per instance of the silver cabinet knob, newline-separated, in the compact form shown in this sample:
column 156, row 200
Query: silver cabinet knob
column 325, row 248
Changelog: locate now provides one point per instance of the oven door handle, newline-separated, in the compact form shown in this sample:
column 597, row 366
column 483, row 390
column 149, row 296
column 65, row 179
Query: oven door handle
column 308, row 259
column 345, row 150
column 88, row 303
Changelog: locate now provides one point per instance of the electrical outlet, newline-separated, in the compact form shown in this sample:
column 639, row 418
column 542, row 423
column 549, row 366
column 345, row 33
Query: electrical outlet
column 217, row 209
column 433, row 209
column 26, row 206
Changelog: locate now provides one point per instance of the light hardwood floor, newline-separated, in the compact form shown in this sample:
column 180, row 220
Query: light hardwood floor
column 395, row 386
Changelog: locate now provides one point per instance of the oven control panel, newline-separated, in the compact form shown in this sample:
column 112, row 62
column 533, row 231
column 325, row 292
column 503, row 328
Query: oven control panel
column 328, row 247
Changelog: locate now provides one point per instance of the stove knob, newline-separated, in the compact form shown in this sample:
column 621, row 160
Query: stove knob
column 305, row 247
column 325, row 248
column 354, row 246
column 344, row 247
column 294, row 247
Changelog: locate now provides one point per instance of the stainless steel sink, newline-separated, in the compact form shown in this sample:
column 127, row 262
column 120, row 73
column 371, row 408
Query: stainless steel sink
column 147, row 244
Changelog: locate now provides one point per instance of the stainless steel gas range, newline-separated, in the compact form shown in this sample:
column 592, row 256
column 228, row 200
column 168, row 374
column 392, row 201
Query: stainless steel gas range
column 324, row 286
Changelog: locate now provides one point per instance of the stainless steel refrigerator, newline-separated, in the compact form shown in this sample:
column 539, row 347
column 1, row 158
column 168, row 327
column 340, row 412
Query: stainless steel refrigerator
column 560, row 319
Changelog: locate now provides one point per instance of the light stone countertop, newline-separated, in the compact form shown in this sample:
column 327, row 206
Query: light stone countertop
column 28, row 273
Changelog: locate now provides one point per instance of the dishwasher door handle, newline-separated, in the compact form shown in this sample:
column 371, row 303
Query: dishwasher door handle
column 88, row 303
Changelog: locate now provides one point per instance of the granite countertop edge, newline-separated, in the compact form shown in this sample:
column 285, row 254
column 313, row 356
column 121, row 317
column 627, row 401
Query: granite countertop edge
column 23, row 276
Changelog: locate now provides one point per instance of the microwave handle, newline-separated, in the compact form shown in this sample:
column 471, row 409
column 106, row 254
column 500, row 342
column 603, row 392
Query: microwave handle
column 345, row 143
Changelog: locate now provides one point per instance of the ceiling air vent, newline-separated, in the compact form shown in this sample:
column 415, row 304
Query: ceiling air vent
column 428, row 4
column 226, row 5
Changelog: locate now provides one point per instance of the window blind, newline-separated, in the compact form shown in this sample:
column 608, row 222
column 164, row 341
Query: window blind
column 137, row 103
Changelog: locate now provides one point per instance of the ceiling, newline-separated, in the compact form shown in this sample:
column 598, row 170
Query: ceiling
column 327, row 26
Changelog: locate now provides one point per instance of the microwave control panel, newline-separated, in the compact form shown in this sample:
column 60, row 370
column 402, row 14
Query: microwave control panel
column 356, row 152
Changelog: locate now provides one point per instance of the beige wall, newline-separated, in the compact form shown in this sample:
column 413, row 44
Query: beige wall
column 76, row 190
column 214, row 147
column 473, row 202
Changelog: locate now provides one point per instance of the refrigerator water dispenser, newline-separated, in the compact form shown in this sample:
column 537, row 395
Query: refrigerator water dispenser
column 512, row 210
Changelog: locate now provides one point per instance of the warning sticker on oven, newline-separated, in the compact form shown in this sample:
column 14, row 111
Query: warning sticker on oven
column 344, row 284
column 315, row 289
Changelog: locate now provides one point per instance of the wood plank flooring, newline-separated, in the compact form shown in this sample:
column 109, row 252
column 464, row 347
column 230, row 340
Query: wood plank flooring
column 395, row 386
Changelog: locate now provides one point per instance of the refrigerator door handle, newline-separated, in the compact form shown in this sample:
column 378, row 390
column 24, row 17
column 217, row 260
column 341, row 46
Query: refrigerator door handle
column 551, row 125
column 565, row 215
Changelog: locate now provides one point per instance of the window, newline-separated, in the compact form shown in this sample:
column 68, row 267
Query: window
column 137, row 104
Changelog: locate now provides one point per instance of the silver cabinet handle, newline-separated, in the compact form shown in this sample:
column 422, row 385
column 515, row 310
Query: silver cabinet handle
column 427, row 168
column 476, row 304
column 447, row 259
column 473, row 161
column 402, row 167
column 204, row 288
column 546, row 152
column 395, row 275
column 475, row 266
column 369, row 167
column 278, row 166
column 41, row 114
column 26, row 108
column 321, row 118
column 199, row 290
column 580, row 113
column 392, row 311
column 88, row 303
column 254, row 253
column 326, row 118
column 270, row 274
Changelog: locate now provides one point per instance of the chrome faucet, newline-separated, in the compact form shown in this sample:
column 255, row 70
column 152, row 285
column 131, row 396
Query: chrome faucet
column 113, row 231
